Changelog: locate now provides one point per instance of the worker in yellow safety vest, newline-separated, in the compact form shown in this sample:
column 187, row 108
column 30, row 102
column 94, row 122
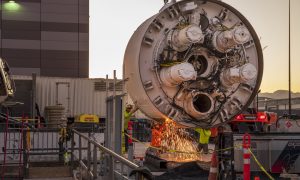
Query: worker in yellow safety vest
column 204, row 139
column 129, row 111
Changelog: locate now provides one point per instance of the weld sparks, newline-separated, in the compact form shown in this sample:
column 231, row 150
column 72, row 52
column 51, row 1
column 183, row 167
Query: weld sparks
column 177, row 144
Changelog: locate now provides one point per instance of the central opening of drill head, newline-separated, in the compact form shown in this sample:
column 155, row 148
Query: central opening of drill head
column 202, row 103
column 199, row 62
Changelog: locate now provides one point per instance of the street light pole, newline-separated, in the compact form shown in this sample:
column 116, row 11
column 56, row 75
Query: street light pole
column 290, row 105
column 257, row 100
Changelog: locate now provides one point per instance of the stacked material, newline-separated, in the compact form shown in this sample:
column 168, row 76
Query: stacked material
column 55, row 116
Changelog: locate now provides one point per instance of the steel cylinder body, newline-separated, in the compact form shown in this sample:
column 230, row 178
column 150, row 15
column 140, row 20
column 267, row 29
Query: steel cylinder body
column 197, row 62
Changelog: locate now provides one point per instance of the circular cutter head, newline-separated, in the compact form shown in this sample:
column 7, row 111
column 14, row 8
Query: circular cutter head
column 197, row 62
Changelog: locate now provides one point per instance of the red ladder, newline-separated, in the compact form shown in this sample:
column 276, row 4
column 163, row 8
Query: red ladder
column 5, row 143
column 19, row 150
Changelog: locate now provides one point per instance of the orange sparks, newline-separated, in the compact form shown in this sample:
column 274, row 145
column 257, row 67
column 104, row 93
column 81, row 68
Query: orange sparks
column 177, row 144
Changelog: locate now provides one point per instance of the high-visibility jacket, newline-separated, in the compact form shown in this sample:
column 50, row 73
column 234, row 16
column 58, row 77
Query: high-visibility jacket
column 127, row 116
column 204, row 135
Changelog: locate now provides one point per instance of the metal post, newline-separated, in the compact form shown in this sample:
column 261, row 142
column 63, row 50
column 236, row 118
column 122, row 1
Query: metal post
column 107, row 122
column 290, row 104
column 106, row 86
column 89, row 156
column 79, row 150
column 122, row 168
column 114, row 113
column 124, row 100
column 95, row 162
column 266, row 105
column 81, row 172
column 111, row 173
column 25, row 163
column 5, row 145
column 21, row 145
column 61, row 149
column 114, row 121
column 33, row 95
column 257, row 108
column 118, row 124
column 72, row 149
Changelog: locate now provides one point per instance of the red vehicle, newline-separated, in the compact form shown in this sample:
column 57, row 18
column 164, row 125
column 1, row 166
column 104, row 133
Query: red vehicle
column 251, row 120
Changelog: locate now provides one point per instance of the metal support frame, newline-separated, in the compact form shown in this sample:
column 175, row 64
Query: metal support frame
column 225, row 157
column 114, row 115
column 113, row 134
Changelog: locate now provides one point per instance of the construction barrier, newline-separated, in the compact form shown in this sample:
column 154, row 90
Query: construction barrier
column 246, row 156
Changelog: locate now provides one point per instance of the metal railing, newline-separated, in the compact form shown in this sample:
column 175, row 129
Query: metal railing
column 100, row 162
column 11, row 150
column 40, row 143
column 26, row 141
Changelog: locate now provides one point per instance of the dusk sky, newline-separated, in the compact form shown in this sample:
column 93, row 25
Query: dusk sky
column 113, row 22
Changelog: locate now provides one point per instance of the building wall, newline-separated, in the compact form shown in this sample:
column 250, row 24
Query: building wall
column 77, row 95
column 47, row 37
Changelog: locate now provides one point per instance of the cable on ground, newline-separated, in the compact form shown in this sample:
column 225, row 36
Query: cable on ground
column 260, row 165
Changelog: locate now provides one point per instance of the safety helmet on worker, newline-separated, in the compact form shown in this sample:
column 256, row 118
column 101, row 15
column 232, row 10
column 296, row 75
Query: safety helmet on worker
column 129, row 106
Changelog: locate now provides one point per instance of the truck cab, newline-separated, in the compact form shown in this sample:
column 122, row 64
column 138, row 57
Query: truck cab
column 252, row 120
